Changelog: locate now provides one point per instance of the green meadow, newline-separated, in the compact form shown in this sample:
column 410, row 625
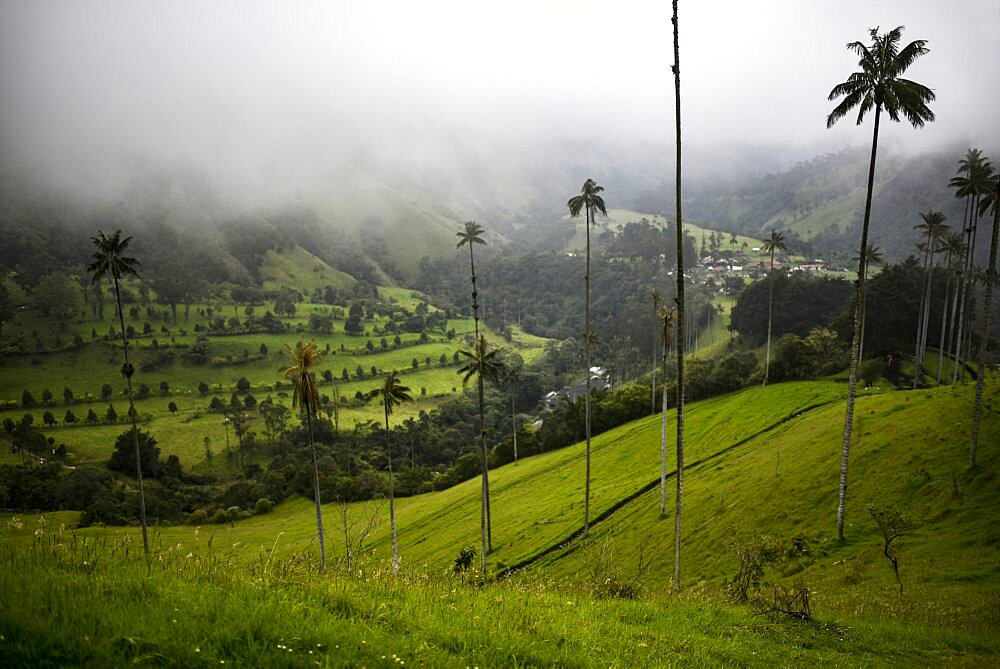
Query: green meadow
column 760, row 463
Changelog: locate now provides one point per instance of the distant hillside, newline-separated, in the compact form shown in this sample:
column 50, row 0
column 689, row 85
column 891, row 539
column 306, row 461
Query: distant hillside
column 822, row 200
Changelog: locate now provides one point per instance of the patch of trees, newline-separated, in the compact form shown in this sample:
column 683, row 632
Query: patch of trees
column 801, row 302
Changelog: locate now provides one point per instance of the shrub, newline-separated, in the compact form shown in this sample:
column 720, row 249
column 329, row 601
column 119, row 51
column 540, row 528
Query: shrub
column 263, row 505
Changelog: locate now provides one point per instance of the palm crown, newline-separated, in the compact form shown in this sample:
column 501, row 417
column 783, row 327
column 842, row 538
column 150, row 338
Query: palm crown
column 975, row 175
column 776, row 242
column 392, row 393
column 471, row 235
column 304, row 358
column 486, row 364
column 879, row 84
column 588, row 198
column 109, row 257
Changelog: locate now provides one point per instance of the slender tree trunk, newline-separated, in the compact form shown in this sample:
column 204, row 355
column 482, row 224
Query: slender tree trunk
column 485, row 521
column 942, row 347
column 319, row 508
column 917, row 354
column 770, row 301
column 959, row 340
column 586, row 337
column 392, row 496
column 680, row 312
column 971, row 295
column 852, row 381
column 991, row 275
column 927, row 316
column 485, row 488
column 513, row 420
column 127, row 371
column 663, row 438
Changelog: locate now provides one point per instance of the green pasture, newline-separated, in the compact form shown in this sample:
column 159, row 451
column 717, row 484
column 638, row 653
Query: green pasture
column 760, row 462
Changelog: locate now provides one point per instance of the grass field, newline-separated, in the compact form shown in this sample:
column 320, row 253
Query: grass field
column 257, row 357
column 760, row 462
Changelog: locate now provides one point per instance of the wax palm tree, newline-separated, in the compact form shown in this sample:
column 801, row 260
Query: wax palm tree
column 933, row 229
column 990, row 199
column 470, row 236
column 955, row 248
column 303, row 360
column 392, row 393
column 879, row 86
column 776, row 242
column 110, row 260
column 512, row 379
column 666, row 318
column 679, row 335
column 873, row 257
column 589, row 201
column 485, row 365
column 973, row 180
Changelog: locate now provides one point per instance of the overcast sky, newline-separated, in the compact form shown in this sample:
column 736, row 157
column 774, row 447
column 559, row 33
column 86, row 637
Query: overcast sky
column 256, row 87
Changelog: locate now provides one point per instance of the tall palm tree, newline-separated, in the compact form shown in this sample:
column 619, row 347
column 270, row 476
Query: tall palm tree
column 470, row 236
column 973, row 180
column 590, row 201
column 933, row 229
column 392, row 393
column 679, row 335
column 873, row 256
column 486, row 366
column 776, row 242
column 666, row 320
column 110, row 260
column 303, row 359
column 991, row 199
column 955, row 248
column 879, row 86
column 512, row 379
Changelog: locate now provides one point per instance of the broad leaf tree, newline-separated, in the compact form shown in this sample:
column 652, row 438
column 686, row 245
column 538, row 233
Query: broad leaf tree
column 878, row 86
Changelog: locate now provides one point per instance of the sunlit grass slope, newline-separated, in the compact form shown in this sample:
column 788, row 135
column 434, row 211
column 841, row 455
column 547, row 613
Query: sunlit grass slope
column 762, row 461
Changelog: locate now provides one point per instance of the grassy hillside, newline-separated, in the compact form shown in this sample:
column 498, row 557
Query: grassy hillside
column 760, row 462
column 298, row 268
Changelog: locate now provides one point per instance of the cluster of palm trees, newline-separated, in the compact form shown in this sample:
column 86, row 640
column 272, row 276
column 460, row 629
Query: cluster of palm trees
column 879, row 87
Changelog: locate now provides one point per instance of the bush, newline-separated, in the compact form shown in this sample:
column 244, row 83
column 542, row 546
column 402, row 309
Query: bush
column 263, row 505
column 198, row 517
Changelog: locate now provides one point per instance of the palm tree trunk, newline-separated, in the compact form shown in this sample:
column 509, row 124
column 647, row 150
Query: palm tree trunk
column 852, row 381
column 925, row 296
column 663, row 439
column 513, row 421
column 959, row 327
column 127, row 371
column 392, row 496
column 484, row 463
column 319, row 508
column 991, row 272
column 586, row 338
column 770, row 300
column 680, row 312
column 942, row 347
column 927, row 316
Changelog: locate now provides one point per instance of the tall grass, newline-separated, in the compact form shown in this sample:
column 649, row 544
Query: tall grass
column 85, row 601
